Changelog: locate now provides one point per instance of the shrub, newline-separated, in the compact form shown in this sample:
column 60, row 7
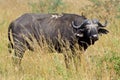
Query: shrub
column 112, row 61
column 47, row 6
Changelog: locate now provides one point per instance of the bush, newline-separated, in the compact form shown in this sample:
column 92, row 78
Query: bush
column 110, row 9
column 47, row 6
column 112, row 61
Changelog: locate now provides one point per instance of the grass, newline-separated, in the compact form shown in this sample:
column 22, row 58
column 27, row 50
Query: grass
column 100, row 62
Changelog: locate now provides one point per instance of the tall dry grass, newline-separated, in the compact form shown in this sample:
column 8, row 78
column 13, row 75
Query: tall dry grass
column 100, row 62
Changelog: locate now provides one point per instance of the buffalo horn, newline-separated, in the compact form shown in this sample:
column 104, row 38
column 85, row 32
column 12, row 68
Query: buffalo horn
column 78, row 25
column 102, row 25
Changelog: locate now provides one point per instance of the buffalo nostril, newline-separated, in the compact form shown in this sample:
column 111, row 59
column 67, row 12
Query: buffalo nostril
column 95, row 37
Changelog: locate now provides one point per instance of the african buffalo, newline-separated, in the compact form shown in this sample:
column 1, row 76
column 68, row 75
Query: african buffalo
column 71, row 27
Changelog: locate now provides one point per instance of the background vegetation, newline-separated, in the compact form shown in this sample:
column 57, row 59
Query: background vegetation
column 100, row 62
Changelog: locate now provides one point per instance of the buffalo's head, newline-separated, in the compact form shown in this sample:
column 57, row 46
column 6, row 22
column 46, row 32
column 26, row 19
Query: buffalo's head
column 89, row 30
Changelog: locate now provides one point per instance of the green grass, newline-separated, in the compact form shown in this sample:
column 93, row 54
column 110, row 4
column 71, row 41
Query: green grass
column 100, row 62
column 47, row 6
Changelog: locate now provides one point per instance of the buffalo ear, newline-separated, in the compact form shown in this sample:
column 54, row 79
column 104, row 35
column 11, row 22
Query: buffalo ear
column 103, row 31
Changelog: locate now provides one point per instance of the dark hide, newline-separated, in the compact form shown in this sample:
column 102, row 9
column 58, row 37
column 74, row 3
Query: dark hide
column 71, row 27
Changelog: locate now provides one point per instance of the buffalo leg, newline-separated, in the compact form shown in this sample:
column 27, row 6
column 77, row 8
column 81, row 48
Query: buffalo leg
column 19, row 50
column 77, row 60
column 68, row 60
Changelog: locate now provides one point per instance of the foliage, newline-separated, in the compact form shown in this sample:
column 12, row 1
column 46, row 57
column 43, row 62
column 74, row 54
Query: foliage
column 100, row 61
column 114, row 58
column 47, row 6
column 111, row 62
column 110, row 8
